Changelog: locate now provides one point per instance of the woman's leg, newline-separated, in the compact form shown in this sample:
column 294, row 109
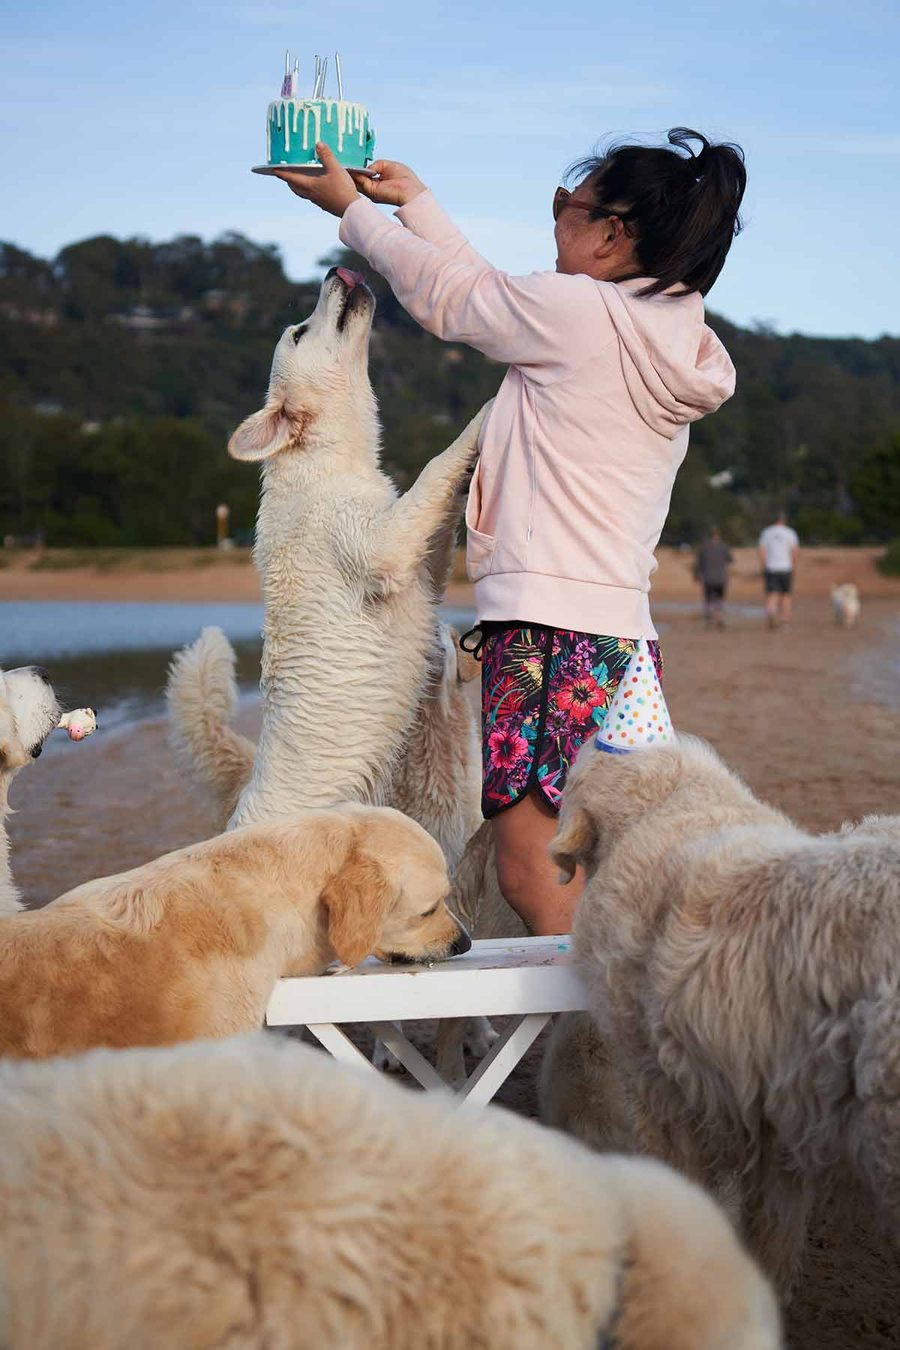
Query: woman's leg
column 528, row 879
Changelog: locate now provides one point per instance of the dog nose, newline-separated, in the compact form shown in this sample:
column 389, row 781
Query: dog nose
column 41, row 673
column 461, row 944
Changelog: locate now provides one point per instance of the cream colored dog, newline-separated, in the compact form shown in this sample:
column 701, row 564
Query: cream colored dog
column 744, row 980
column 191, row 945
column 29, row 712
column 349, row 590
column 256, row 1194
column 845, row 604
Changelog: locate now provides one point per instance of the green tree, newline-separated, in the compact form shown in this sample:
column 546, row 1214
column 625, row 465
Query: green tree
column 876, row 487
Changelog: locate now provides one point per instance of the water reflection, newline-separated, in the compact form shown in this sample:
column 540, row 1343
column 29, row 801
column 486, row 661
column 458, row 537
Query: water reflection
column 114, row 656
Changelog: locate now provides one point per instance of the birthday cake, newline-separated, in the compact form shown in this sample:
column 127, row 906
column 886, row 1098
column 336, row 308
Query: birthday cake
column 294, row 125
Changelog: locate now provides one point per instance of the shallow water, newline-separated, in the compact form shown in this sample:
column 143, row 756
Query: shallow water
column 113, row 656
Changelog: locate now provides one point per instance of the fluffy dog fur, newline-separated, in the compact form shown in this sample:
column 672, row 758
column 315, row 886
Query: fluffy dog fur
column 743, row 977
column 28, row 713
column 191, row 945
column 256, row 1194
column 346, row 565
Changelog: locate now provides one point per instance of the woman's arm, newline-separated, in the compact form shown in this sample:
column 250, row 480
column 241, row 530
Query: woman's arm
column 427, row 219
column 542, row 319
column 548, row 319
column 417, row 208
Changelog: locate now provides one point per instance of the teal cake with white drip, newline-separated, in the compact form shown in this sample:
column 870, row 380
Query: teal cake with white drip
column 294, row 125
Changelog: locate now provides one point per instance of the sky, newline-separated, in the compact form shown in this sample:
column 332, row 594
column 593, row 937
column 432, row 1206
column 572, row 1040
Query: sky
column 145, row 119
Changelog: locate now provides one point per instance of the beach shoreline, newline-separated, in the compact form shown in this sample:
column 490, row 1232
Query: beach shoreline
column 210, row 574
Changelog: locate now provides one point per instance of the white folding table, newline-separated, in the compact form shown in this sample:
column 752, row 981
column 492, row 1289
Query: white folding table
column 528, row 979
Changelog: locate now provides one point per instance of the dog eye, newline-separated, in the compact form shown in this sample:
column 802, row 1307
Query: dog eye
column 428, row 913
column 298, row 334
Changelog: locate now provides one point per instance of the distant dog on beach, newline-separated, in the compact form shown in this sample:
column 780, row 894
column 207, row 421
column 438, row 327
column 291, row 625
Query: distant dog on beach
column 743, row 982
column 192, row 944
column 845, row 604
column 351, row 572
column 29, row 711
column 255, row 1193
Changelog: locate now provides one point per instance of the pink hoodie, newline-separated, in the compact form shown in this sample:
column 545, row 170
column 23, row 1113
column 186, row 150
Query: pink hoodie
column 590, row 425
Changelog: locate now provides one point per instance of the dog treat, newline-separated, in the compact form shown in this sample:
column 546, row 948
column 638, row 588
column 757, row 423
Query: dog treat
column 79, row 723
column 293, row 125
column 638, row 714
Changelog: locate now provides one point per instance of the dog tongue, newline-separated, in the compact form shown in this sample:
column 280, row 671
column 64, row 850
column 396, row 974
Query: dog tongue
column 349, row 278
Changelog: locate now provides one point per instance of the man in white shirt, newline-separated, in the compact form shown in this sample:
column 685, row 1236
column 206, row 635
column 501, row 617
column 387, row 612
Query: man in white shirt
column 778, row 546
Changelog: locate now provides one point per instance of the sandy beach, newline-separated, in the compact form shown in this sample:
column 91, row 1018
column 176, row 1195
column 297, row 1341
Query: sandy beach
column 207, row 574
column 810, row 716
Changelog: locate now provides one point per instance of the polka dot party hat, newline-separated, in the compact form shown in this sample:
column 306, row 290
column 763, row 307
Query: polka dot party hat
column 638, row 714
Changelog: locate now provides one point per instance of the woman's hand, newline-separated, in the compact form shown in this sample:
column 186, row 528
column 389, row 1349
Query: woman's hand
column 395, row 185
column 333, row 190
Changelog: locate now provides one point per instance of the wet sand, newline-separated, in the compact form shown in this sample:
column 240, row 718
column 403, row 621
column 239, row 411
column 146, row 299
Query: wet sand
column 208, row 574
column 810, row 716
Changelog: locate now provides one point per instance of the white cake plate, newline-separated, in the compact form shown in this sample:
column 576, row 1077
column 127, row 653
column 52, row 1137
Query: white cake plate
column 313, row 169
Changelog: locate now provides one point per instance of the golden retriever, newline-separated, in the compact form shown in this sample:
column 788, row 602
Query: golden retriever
column 254, row 1193
column 191, row 945
column 437, row 783
column 744, row 978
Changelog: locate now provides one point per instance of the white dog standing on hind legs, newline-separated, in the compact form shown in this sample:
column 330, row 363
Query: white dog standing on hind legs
column 344, row 565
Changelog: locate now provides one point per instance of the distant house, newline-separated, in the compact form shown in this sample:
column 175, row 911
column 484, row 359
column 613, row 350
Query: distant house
column 144, row 319
column 36, row 318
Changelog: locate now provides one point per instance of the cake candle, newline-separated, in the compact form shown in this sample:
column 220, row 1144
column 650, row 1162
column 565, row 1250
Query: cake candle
column 337, row 71
column 286, row 82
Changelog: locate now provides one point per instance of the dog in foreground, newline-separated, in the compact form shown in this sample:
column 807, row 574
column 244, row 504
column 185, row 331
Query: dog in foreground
column 744, row 981
column 192, row 944
column 253, row 1193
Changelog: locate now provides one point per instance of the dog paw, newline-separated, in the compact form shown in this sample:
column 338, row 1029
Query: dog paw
column 384, row 1060
column 479, row 1036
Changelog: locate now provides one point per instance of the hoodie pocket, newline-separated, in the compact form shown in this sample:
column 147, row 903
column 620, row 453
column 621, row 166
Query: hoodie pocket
column 479, row 546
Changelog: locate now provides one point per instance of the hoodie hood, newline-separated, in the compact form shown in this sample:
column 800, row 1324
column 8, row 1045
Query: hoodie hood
column 676, row 369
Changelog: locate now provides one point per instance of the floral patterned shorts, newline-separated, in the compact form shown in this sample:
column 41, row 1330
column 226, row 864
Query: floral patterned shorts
column 544, row 691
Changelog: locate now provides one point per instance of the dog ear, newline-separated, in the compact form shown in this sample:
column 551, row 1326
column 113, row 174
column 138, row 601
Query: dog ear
column 275, row 427
column 357, row 899
column 573, row 840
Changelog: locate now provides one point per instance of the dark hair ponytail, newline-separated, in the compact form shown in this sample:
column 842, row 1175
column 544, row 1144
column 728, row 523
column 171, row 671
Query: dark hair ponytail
column 681, row 208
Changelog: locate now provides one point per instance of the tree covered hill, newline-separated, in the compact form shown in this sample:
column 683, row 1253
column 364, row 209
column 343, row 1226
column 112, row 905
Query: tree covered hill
column 126, row 364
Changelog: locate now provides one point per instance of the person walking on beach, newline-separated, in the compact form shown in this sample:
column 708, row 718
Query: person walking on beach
column 609, row 361
column 713, row 560
column 778, row 545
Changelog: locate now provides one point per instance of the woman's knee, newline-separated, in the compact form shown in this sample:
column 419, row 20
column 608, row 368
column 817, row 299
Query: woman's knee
column 515, row 873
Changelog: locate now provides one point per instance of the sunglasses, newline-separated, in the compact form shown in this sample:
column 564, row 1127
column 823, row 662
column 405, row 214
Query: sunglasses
column 562, row 198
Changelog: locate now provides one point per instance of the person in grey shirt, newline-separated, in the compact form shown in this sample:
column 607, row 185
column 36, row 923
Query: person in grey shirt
column 713, row 560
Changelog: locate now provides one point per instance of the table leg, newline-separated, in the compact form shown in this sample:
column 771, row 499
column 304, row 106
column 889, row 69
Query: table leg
column 503, row 1057
column 409, row 1056
column 339, row 1045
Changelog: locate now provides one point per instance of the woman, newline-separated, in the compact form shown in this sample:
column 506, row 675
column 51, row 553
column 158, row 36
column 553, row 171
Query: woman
column 609, row 361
